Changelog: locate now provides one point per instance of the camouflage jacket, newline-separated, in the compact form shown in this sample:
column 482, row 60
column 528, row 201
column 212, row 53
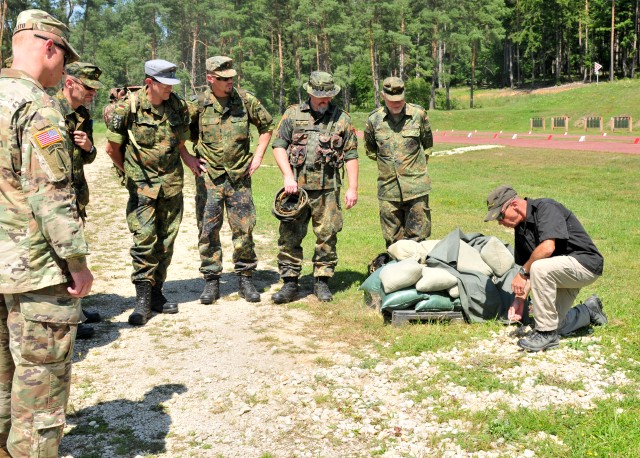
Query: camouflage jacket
column 40, row 230
column 402, row 151
column 78, row 119
column 151, row 158
column 317, row 147
column 221, row 133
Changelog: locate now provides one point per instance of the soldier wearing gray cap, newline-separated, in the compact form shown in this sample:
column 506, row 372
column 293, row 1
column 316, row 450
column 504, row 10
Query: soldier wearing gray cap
column 557, row 257
column 220, row 122
column 146, row 136
column 43, row 268
column 398, row 137
column 313, row 143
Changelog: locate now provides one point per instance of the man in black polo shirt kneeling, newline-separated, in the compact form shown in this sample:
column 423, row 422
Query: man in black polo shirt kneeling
column 557, row 257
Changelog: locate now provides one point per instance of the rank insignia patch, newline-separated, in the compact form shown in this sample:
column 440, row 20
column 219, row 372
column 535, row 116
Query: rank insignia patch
column 48, row 137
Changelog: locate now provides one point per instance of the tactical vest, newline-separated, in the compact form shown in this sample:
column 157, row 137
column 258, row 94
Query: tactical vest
column 313, row 146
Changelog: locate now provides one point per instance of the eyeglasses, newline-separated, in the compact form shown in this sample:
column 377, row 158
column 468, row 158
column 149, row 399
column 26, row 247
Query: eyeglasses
column 77, row 81
column 224, row 78
column 57, row 45
column 503, row 210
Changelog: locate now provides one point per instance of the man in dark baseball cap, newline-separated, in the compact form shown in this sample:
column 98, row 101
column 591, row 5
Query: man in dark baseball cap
column 557, row 258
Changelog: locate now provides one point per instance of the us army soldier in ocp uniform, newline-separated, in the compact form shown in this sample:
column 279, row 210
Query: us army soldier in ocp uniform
column 220, row 119
column 43, row 271
column 79, row 89
column 153, row 123
column 398, row 137
column 313, row 142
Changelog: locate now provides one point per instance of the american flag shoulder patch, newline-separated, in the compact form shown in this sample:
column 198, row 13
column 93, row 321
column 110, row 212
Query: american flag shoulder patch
column 48, row 137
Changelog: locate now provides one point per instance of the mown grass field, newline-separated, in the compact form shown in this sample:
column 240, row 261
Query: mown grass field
column 601, row 189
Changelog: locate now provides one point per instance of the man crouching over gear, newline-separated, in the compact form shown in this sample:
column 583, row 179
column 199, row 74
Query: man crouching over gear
column 312, row 144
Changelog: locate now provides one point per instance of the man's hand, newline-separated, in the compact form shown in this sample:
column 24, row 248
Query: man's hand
column 81, row 139
column 255, row 165
column 519, row 285
column 81, row 283
column 350, row 198
column 290, row 185
column 196, row 165
column 516, row 310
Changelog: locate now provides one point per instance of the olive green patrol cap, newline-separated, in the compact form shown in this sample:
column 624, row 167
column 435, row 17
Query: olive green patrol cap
column 496, row 199
column 393, row 89
column 221, row 66
column 38, row 20
column 321, row 85
column 89, row 74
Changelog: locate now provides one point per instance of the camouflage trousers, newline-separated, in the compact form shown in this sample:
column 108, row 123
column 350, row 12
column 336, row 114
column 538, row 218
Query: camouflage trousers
column 37, row 334
column 325, row 214
column 405, row 220
column 212, row 197
column 154, row 224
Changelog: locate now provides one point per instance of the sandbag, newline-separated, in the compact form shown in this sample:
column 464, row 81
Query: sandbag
column 405, row 249
column 401, row 275
column 469, row 260
column 373, row 284
column 428, row 245
column 437, row 302
column 454, row 292
column 435, row 279
column 403, row 299
column 497, row 256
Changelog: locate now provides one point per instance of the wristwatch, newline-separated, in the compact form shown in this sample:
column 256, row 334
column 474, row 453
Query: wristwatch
column 523, row 272
column 92, row 150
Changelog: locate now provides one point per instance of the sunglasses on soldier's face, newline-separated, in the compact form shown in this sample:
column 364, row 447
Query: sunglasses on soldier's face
column 224, row 78
column 57, row 45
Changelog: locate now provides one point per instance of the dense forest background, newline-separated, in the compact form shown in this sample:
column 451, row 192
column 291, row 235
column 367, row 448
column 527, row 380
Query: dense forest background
column 432, row 44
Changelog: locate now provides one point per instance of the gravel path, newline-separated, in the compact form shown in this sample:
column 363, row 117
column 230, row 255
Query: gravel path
column 235, row 379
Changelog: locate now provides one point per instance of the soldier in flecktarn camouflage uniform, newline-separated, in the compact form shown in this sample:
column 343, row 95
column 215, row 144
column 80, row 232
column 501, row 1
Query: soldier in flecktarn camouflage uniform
column 220, row 120
column 43, row 270
column 398, row 137
column 153, row 123
column 313, row 142
column 79, row 89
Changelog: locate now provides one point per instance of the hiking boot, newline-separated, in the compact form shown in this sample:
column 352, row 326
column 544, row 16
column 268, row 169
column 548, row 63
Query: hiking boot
column 321, row 289
column 247, row 290
column 288, row 292
column 91, row 317
column 540, row 340
column 84, row 332
column 142, row 310
column 211, row 292
column 159, row 303
column 594, row 305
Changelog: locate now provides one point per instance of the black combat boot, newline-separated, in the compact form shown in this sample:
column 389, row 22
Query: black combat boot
column 142, row 310
column 91, row 317
column 321, row 289
column 159, row 303
column 84, row 332
column 247, row 290
column 211, row 292
column 288, row 292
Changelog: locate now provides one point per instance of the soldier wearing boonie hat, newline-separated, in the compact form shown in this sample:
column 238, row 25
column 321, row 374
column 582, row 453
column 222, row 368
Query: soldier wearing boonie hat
column 314, row 141
column 221, row 117
column 151, row 125
column 43, row 271
column 41, row 21
column 398, row 136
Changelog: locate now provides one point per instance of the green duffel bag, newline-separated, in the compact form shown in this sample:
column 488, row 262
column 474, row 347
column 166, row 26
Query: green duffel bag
column 438, row 303
column 403, row 299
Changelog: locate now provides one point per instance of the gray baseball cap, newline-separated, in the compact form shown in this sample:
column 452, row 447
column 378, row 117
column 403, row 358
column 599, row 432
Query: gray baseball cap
column 162, row 71
column 496, row 199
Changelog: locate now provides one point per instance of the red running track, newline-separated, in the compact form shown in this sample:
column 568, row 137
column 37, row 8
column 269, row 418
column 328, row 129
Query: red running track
column 611, row 144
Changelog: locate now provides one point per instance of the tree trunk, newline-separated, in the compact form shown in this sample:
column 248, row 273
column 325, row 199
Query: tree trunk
column 558, row 56
column 154, row 40
column 435, row 75
column 473, row 72
column 402, row 75
column 374, row 70
column 299, row 75
column 613, row 33
column 317, row 53
column 273, row 67
column 281, row 63
column 3, row 10
column 194, row 57
column 635, row 42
